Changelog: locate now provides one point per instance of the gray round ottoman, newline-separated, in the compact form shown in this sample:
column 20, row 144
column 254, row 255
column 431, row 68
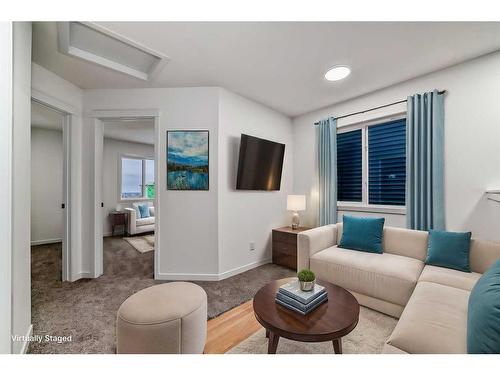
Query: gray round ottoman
column 165, row 318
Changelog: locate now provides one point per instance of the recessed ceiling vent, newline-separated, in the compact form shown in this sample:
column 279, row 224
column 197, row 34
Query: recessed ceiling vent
column 101, row 46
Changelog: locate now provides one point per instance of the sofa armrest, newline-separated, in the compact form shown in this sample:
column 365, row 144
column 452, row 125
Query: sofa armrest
column 313, row 240
column 132, row 217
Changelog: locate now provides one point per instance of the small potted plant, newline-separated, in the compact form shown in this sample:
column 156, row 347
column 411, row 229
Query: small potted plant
column 307, row 280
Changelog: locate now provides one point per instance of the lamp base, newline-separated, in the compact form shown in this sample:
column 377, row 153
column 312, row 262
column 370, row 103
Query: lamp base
column 295, row 220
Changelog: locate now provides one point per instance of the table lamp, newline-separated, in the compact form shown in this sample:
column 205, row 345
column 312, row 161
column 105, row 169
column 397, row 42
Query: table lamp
column 296, row 203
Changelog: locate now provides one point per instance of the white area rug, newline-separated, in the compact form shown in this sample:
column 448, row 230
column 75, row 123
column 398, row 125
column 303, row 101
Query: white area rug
column 367, row 338
column 142, row 244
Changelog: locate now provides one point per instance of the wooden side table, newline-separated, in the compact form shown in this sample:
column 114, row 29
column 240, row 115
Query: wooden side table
column 285, row 246
column 118, row 218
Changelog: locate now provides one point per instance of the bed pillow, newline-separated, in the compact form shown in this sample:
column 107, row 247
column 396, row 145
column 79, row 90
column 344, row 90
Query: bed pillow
column 362, row 233
column 449, row 250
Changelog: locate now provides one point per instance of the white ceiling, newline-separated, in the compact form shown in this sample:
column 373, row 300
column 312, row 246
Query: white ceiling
column 280, row 64
column 141, row 131
column 45, row 118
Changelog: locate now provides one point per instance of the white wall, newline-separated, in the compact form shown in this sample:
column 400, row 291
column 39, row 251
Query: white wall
column 5, row 185
column 21, row 267
column 113, row 149
column 249, row 216
column 54, row 90
column 46, row 186
column 204, row 234
column 58, row 89
column 188, row 219
column 472, row 136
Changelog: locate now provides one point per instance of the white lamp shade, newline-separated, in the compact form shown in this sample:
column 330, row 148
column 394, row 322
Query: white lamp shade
column 296, row 203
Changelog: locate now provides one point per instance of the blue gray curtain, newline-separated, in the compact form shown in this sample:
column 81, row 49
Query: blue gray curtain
column 425, row 162
column 327, row 163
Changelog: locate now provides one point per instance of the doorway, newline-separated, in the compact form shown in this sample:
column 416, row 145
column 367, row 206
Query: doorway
column 140, row 187
column 50, row 184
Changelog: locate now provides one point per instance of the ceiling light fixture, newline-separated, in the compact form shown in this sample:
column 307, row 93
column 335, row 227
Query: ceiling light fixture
column 337, row 73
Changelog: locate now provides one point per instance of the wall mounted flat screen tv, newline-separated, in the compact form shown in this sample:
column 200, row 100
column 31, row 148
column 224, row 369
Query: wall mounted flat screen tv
column 260, row 164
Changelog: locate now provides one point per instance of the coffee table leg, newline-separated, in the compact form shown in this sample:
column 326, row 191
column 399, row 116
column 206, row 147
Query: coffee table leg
column 272, row 344
column 337, row 346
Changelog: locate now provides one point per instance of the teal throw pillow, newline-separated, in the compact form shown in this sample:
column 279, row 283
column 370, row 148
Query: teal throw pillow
column 449, row 250
column 483, row 316
column 362, row 233
column 144, row 210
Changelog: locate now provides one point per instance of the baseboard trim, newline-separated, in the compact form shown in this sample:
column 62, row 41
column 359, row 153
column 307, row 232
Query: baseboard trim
column 83, row 275
column 187, row 276
column 26, row 344
column 45, row 242
column 210, row 276
column 246, row 267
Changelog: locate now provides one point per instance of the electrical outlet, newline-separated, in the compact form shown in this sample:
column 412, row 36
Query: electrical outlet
column 252, row 246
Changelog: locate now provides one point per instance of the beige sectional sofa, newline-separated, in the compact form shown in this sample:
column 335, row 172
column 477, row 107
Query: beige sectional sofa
column 430, row 302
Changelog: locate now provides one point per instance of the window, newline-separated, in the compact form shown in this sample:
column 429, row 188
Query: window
column 387, row 163
column 149, row 178
column 137, row 178
column 376, row 176
column 349, row 166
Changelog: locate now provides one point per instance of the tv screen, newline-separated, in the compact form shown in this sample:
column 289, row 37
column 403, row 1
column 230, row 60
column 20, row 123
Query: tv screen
column 260, row 164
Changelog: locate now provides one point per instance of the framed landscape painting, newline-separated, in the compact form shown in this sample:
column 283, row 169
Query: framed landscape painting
column 187, row 160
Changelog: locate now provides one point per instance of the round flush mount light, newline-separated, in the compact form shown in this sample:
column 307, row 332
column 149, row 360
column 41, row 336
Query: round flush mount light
column 337, row 73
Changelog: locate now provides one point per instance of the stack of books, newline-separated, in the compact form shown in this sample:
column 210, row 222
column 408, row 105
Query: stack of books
column 290, row 296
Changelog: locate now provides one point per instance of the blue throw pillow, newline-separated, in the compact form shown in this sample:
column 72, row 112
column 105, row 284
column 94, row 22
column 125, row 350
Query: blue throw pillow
column 362, row 233
column 483, row 316
column 449, row 249
column 144, row 210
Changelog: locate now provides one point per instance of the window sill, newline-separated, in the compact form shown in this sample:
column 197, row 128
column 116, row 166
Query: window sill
column 128, row 200
column 395, row 210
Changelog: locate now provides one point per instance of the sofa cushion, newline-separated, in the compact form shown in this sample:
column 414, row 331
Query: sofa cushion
column 449, row 277
column 389, row 349
column 400, row 241
column 433, row 321
column 483, row 254
column 145, row 221
column 385, row 276
column 449, row 249
column 362, row 233
column 483, row 322
column 151, row 211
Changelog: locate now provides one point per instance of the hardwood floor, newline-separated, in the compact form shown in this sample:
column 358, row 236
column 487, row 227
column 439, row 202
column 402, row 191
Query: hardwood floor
column 231, row 328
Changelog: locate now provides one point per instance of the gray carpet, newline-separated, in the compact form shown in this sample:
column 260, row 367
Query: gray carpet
column 86, row 309
column 367, row 338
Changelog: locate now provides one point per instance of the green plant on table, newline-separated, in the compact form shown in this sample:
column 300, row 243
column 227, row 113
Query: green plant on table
column 306, row 275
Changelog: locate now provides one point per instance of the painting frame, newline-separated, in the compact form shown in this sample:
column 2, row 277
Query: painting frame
column 172, row 187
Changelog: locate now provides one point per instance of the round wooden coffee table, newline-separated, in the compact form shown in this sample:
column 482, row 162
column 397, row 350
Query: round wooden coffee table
column 328, row 322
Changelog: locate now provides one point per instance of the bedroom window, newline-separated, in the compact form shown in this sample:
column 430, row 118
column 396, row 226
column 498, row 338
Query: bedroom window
column 371, row 164
column 137, row 178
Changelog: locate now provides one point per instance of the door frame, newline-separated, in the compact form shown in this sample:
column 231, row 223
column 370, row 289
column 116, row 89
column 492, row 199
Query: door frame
column 97, row 117
column 6, row 139
column 68, row 114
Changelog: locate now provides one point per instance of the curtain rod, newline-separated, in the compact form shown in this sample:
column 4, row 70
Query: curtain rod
column 374, row 108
